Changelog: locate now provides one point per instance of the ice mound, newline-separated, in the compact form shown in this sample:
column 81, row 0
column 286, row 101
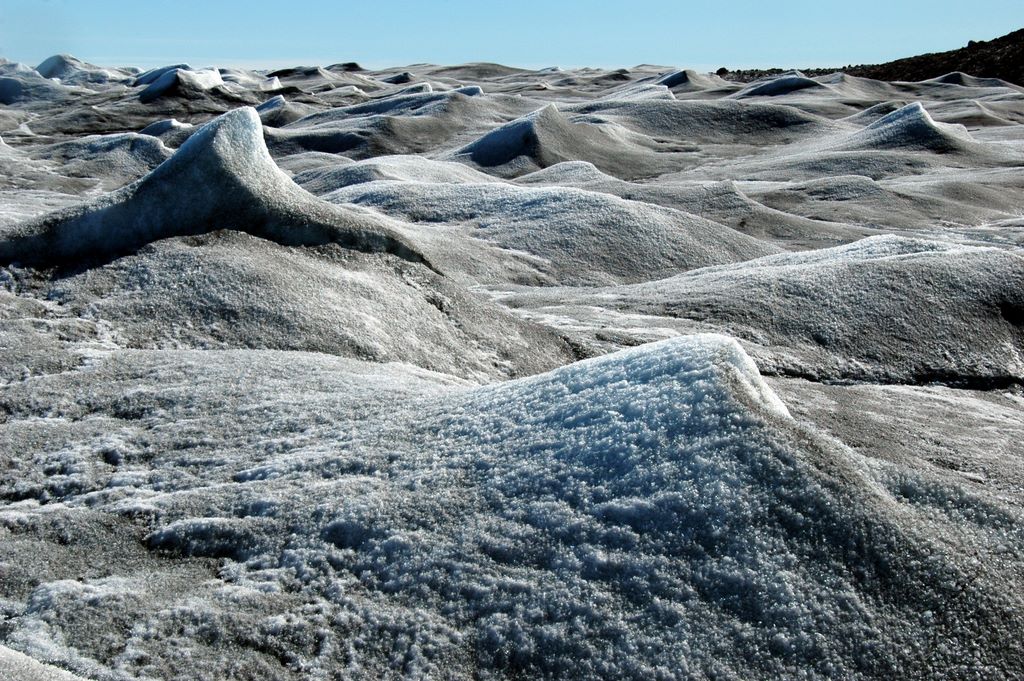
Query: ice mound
column 278, row 111
column 880, row 206
column 655, row 511
column 151, row 76
column 546, row 137
column 566, row 174
column 321, row 81
column 688, row 80
column 73, row 71
column 393, row 124
column 875, row 112
column 518, row 138
column 170, row 131
column 912, row 128
column 312, row 160
column 250, row 80
column 59, row 66
column 414, row 88
column 855, row 86
column 964, row 80
column 783, row 85
column 222, row 178
column 400, row 78
column 180, row 82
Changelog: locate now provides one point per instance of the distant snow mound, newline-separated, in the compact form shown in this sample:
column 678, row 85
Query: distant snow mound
column 973, row 113
column 179, row 81
column 222, row 178
column 278, row 111
column 250, row 79
column 525, row 136
column 911, row 128
column 566, row 174
column 960, row 78
column 414, row 88
column 400, row 78
column 170, row 131
column 73, row 71
column 855, row 87
column 688, row 80
column 783, row 85
column 59, row 66
column 546, row 137
column 151, row 76
column 876, row 112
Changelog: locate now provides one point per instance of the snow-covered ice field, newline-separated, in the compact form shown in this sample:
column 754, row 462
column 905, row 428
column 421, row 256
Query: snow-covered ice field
column 479, row 372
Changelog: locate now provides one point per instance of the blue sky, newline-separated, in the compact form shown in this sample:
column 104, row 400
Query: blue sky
column 530, row 33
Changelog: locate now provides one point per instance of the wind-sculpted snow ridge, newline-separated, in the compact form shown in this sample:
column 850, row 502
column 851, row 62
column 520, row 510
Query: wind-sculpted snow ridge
column 652, row 512
column 221, row 178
